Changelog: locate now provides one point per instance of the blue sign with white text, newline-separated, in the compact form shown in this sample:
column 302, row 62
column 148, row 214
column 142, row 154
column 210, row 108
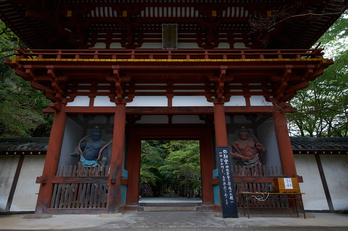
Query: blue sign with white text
column 227, row 192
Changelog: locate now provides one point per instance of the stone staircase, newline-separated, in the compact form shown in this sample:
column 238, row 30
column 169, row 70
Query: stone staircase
column 169, row 205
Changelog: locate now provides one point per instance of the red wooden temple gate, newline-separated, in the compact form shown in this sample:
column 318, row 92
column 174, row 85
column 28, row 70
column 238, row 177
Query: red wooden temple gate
column 134, row 94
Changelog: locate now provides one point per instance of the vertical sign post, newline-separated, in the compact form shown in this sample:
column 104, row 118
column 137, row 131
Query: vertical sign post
column 169, row 36
column 227, row 193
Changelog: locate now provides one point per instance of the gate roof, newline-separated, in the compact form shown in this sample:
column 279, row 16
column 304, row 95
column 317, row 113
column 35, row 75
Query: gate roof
column 256, row 23
column 300, row 145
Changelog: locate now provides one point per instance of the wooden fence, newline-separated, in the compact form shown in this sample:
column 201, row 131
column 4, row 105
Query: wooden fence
column 263, row 201
column 258, row 171
column 78, row 187
column 258, row 179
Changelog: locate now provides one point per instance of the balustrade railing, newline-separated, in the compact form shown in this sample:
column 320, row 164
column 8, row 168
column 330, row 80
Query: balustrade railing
column 168, row 55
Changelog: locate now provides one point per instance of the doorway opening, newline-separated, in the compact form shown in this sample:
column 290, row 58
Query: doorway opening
column 170, row 171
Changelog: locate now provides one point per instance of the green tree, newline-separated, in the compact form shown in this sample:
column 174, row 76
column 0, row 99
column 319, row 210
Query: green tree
column 182, row 166
column 152, row 157
column 20, row 105
column 322, row 107
column 171, row 167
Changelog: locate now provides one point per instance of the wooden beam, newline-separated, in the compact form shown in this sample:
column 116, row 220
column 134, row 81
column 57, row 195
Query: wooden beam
column 14, row 183
column 324, row 182
column 78, row 180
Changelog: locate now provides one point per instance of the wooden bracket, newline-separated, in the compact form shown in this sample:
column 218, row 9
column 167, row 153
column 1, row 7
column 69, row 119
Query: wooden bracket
column 41, row 180
column 56, row 107
column 221, row 84
column 29, row 71
column 59, row 93
column 284, row 82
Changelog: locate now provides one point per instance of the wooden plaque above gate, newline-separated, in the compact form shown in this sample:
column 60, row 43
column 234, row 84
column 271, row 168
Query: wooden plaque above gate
column 169, row 36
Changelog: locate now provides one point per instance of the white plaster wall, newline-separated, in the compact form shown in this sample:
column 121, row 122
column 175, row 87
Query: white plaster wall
column 8, row 166
column 188, row 46
column 189, row 101
column 116, row 46
column 151, row 45
column 267, row 137
column 99, row 46
column 239, row 46
column 72, row 136
column 314, row 197
column 148, row 101
column 259, row 100
column 224, row 46
column 27, row 190
column 336, row 171
column 237, row 100
column 79, row 101
column 103, row 101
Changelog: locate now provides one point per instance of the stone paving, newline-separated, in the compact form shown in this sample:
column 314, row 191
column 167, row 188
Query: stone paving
column 172, row 221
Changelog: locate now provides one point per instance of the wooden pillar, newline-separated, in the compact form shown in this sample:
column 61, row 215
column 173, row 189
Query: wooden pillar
column 220, row 125
column 114, row 186
column 285, row 150
column 206, row 151
column 134, row 152
column 51, row 162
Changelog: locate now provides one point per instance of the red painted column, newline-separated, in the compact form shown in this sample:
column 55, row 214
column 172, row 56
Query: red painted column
column 284, row 144
column 134, row 152
column 51, row 162
column 220, row 125
column 114, row 186
column 206, row 149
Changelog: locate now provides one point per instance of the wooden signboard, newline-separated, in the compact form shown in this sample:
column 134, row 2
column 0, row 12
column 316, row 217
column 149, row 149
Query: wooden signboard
column 286, row 185
column 169, row 36
column 227, row 192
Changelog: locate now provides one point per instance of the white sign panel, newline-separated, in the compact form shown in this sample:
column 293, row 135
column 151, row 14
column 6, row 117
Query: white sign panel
column 288, row 183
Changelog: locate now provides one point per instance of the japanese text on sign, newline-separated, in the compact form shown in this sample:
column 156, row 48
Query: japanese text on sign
column 226, row 177
column 227, row 194
column 169, row 36
column 288, row 183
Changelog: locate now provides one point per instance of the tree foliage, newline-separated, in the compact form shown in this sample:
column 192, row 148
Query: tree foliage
column 182, row 165
column 20, row 105
column 152, row 157
column 171, row 167
column 322, row 107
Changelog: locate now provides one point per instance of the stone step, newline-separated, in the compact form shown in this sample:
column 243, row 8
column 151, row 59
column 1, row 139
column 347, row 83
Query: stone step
column 170, row 204
column 168, row 208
